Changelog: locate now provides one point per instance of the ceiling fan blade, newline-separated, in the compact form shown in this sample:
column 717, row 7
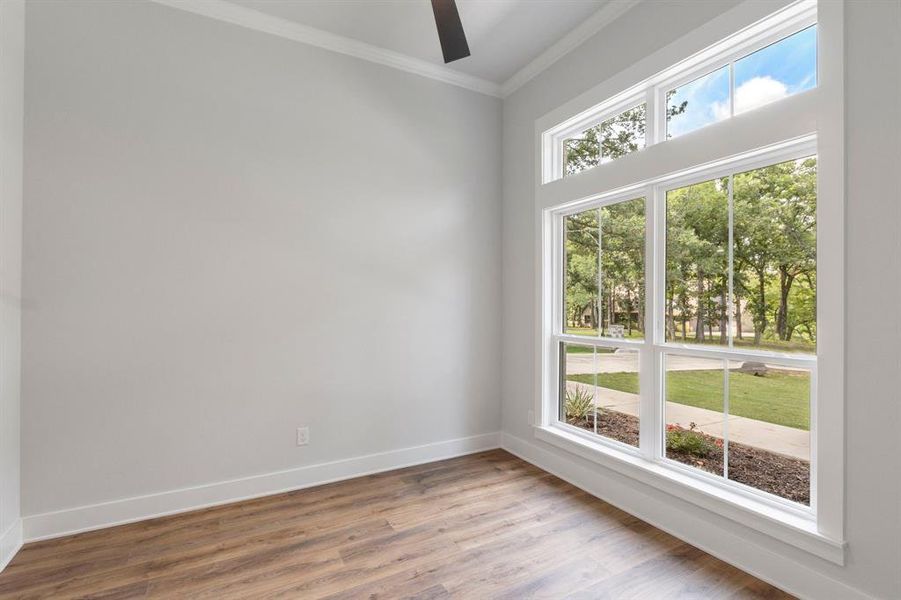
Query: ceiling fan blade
column 450, row 30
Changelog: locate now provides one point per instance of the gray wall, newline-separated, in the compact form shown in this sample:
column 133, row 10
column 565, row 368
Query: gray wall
column 12, row 48
column 228, row 235
column 873, row 152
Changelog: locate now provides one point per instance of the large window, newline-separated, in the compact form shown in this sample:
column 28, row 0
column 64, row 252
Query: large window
column 735, row 309
column 683, row 289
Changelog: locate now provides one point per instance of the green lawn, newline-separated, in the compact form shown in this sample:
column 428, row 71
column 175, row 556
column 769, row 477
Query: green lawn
column 589, row 332
column 796, row 345
column 780, row 397
column 570, row 349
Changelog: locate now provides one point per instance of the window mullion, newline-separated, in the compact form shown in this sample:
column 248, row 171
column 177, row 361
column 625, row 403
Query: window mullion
column 597, row 325
column 653, row 122
column 649, row 382
column 726, row 418
column 730, row 307
column 600, row 279
column 731, row 88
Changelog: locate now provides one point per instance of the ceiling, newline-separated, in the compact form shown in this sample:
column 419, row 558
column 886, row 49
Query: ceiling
column 504, row 35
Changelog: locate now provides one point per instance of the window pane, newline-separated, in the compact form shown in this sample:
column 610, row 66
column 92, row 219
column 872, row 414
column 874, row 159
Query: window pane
column 694, row 413
column 697, row 263
column 617, row 394
column 774, row 255
column 779, row 70
column 607, row 141
column 622, row 269
column 580, row 302
column 698, row 103
column 600, row 393
column 577, row 394
column 769, row 429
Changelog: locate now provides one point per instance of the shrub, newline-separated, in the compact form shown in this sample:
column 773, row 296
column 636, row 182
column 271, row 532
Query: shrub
column 579, row 403
column 688, row 441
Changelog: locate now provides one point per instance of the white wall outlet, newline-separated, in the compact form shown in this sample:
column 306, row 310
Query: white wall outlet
column 303, row 436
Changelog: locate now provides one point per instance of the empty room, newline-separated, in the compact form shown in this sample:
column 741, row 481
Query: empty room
column 477, row 299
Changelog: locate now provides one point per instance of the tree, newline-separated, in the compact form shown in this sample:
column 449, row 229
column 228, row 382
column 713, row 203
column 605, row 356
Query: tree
column 794, row 185
column 754, row 252
column 582, row 239
column 775, row 246
column 611, row 139
column 697, row 261
column 615, row 137
column 622, row 262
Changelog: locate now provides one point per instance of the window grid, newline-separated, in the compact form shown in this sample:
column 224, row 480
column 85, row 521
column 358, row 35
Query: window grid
column 653, row 91
column 654, row 348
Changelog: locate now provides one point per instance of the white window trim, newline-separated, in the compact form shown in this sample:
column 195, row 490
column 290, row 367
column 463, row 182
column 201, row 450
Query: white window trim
column 653, row 347
column 811, row 117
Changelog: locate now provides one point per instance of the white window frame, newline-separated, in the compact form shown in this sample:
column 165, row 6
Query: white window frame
column 801, row 125
column 652, row 90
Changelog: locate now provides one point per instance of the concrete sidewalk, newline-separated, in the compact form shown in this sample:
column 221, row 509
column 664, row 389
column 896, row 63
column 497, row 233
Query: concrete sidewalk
column 750, row 432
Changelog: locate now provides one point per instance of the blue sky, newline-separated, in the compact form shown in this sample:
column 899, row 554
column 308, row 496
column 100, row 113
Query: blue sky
column 779, row 70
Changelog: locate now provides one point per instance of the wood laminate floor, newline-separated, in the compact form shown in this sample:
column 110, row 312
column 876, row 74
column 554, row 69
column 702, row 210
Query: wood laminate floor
column 482, row 526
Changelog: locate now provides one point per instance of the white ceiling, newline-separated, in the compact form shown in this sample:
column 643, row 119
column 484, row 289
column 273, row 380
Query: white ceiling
column 504, row 35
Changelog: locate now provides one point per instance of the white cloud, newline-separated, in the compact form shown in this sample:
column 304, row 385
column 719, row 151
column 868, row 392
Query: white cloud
column 751, row 94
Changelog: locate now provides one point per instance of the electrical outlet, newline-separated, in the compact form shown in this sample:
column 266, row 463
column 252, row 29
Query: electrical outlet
column 303, row 436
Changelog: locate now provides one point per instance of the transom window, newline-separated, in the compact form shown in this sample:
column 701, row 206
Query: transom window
column 683, row 305
column 768, row 62
column 614, row 137
column 781, row 69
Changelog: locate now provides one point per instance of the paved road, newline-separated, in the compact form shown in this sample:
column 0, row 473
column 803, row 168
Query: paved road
column 627, row 362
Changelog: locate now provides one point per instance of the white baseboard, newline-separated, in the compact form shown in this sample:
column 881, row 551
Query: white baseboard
column 117, row 512
column 10, row 543
column 762, row 562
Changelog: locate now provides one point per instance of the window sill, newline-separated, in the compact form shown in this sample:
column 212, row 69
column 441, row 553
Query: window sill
column 793, row 527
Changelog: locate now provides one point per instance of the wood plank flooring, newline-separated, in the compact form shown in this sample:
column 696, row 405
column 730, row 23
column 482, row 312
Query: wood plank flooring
column 482, row 526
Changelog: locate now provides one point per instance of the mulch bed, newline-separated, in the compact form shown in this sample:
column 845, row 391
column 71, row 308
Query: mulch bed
column 774, row 473
column 611, row 424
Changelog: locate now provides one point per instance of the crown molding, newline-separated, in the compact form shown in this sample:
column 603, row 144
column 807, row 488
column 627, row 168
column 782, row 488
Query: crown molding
column 223, row 10
column 254, row 19
column 593, row 24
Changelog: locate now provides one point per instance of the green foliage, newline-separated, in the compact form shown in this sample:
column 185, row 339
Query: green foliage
column 689, row 441
column 582, row 242
column 697, row 264
column 579, row 403
column 774, row 257
column 775, row 248
column 611, row 139
column 615, row 137
column 618, row 232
